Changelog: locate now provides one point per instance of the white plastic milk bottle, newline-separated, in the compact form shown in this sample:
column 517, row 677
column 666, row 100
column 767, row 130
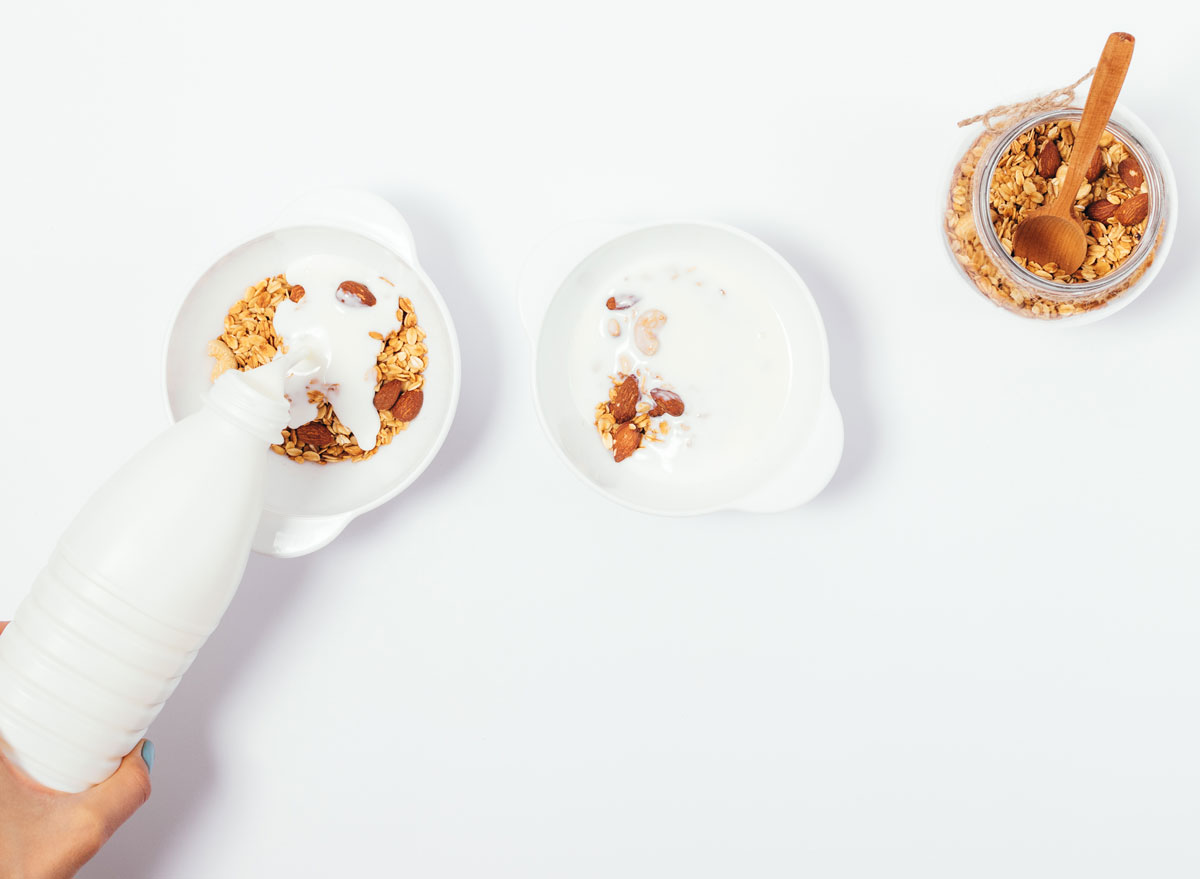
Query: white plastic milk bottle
column 136, row 585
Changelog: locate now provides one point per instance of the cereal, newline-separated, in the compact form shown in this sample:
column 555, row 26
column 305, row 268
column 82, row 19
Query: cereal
column 625, row 420
column 250, row 341
column 1019, row 186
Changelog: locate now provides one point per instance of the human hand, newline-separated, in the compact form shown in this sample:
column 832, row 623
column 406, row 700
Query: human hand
column 46, row 834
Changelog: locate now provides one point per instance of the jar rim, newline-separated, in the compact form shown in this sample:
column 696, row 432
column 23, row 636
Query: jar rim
column 1021, row 276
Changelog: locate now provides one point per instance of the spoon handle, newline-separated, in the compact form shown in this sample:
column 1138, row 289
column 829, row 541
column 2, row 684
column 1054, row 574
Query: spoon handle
column 1102, row 97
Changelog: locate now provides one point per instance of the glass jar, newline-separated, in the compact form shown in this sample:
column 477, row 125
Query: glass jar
column 1103, row 285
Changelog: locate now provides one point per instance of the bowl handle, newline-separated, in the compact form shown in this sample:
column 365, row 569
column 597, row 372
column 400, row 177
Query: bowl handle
column 549, row 263
column 286, row 537
column 808, row 472
column 354, row 210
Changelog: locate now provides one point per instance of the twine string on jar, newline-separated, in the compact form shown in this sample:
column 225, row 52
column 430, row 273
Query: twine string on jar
column 999, row 118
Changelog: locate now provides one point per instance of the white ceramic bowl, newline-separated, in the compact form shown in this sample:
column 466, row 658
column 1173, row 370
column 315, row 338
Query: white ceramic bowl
column 795, row 455
column 308, row 505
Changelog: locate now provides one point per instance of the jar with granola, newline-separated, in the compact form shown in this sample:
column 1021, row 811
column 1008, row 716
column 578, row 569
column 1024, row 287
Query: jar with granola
column 1127, row 205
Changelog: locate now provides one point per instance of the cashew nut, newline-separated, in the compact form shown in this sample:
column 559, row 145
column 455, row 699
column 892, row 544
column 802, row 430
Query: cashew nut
column 644, row 331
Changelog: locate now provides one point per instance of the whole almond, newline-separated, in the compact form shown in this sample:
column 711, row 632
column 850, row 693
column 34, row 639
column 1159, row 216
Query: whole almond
column 1100, row 210
column 388, row 394
column 296, row 293
column 1049, row 160
column 409, row 404
column 1133, row 210
column 1096, row 167
column 348, row 289
column 314, row 434
column 1131, row 173
column 623, row 399
column 666, row 401
column 626, row 440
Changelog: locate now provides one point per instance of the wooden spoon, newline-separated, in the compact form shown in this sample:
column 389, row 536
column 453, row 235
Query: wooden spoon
column 1052, row 233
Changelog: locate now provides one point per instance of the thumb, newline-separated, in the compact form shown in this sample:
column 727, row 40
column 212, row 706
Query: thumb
column 124, row 792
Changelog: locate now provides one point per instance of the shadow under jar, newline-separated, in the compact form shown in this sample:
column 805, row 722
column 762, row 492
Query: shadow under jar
column 1006, row 175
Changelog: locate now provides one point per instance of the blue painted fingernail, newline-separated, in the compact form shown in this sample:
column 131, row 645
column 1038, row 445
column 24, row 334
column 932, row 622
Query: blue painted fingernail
column 148, row 754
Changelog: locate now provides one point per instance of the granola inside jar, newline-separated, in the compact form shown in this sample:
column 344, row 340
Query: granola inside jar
column 1126, row 206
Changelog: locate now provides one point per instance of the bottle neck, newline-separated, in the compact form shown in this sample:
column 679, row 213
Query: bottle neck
column 253, row 400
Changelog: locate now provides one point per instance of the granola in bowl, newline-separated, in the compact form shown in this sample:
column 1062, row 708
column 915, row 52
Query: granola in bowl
column 251, row 339
column 626, row 419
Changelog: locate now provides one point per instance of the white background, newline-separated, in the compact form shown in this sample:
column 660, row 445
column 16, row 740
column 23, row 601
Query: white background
column 974, row 655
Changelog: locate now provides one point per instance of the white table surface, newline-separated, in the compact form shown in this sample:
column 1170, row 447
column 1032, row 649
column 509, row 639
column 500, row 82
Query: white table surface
column 974, row 655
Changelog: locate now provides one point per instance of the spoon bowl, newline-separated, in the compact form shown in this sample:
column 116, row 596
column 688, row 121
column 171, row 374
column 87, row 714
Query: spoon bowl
column 1047, row 238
